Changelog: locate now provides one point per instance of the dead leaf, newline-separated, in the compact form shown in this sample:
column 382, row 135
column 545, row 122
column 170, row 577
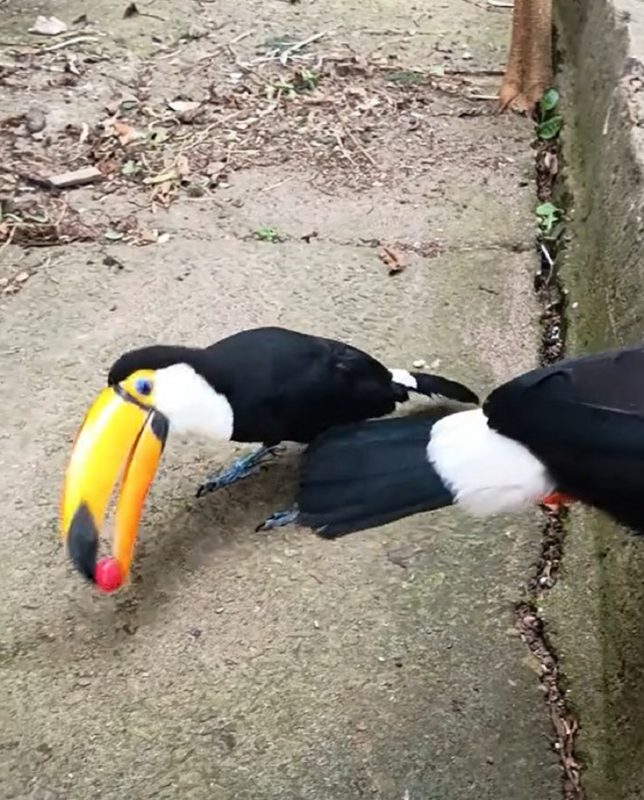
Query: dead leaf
column 71, row 64
column 394, row 260
column 15, row 284
column 48, row 26
column 215, row 167
column 162, row 177
column 318, row 99
column 126, row 133
column 144, row 236
column 181, row 106
column 162, row 193
column 186, row 110
column 131, row 11
column 182, row 165
column 551, row 163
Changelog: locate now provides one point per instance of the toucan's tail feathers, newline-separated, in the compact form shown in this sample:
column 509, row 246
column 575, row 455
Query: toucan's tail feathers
column 435, row 387
column 368, row 474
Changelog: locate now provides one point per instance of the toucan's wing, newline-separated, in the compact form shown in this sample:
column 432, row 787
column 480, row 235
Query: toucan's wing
column 584, row 419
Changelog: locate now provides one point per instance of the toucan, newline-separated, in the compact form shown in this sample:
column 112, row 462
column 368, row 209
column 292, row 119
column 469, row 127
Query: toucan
column 267, row 385
column 572, row 431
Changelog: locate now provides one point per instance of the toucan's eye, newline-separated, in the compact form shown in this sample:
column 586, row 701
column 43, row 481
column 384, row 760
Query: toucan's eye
column 143, row 386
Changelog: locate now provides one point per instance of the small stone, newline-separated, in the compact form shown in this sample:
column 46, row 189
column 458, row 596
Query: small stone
column 35, row 120
column 196, row 31
column 419, row 363
column 77, row 177
column 48, row 26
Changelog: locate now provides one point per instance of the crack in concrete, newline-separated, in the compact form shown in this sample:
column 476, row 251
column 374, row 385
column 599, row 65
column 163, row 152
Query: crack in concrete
column 428, row 248
column 528, row 620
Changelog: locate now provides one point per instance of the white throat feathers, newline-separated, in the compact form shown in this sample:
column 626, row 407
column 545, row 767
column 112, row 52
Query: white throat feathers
column 191, row 404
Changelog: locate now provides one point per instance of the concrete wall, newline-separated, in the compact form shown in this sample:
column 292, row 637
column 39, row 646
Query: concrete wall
column 597, row 611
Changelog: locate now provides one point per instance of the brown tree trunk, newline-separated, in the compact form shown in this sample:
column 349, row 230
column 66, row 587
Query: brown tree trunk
column 529, row 70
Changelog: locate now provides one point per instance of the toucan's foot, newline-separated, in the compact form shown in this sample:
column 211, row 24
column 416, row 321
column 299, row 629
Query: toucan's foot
column 238, row 470
column 280, row 519
column 555, row 500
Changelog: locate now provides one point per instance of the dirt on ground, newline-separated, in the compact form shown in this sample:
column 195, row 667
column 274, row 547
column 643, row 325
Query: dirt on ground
column 331, row 167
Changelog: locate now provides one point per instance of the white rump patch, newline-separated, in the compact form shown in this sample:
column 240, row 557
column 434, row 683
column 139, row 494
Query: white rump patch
column 487, row 473
column 404, row 378
column 191, row 404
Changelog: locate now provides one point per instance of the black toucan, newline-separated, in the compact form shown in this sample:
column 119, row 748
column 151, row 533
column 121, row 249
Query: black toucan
column 267, row 385
column 571, row 431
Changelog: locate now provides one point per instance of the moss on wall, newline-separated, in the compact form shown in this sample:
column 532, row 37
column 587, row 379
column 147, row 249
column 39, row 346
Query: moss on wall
column 597, row 611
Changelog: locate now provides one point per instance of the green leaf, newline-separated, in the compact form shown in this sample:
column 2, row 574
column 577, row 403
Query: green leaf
column 267, row 234
column 546, row 210
column 129, row 105
column 549, row 128
column 129, row 168
column 549, row 101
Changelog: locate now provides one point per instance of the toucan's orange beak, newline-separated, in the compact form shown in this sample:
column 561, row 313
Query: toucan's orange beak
column 119, row 437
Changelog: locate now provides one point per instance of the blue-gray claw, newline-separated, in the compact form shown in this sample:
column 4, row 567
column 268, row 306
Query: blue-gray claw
column 238, row 470
column 280, row 519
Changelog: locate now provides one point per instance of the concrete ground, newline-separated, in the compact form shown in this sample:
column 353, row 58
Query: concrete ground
column 238, row 664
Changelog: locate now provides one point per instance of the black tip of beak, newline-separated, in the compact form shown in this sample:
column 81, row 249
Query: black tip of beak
column 160, row 427
column 82, row 542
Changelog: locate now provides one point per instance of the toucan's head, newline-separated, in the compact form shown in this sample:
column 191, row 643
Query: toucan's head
column 150, row 392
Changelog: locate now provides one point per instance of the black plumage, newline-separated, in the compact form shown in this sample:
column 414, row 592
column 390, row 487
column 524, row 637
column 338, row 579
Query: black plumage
column 284, row 385
column 584, row 419
column 368, row 474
